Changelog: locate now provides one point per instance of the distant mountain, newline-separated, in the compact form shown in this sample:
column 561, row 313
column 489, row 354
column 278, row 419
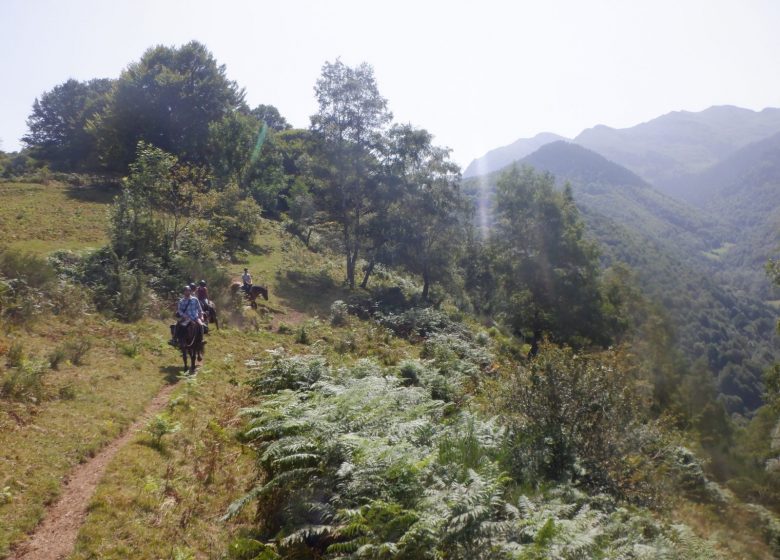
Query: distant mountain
column 682, row 142
column 674, row 250
column 612, row 191
column 501, row 157
column 743, row 192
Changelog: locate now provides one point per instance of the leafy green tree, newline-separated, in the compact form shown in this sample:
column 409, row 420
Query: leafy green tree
column 244, row 151
column 431, row 212
column 271, row 117
column 167, row 99
column 58, row 124
column 234, row 217
column 549, row 274
column 176, row 193
column 352, row 115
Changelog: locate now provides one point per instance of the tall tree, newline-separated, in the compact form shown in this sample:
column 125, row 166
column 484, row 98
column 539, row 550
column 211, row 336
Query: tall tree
column 244, row 151
column 431, row 212
column 351, row 118
column 176, row 193
column 58, row 124
column 167, row 99
column 549, row 274
column 271, row 117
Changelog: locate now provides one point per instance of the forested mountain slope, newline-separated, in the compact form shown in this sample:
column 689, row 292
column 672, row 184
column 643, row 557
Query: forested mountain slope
column 503, row 156
column 667, row 243
column 680, row 142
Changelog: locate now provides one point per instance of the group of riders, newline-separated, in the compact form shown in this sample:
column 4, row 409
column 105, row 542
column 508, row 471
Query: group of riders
column 195, row 306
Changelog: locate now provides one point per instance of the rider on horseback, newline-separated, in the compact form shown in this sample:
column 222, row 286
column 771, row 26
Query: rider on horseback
column 202, row 292
column 187, row 310
column 247, row 279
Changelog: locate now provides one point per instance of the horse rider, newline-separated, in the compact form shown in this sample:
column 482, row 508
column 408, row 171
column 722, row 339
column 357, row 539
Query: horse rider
column 187, row 310
column 202, row 293
column 247, row 279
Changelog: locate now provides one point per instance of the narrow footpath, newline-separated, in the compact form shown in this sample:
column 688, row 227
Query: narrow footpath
column 55, row 536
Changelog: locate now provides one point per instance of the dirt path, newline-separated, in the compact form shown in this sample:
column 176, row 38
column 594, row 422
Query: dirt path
column 55, row 537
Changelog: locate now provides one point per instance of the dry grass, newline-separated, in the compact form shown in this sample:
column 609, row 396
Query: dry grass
column 44, row 218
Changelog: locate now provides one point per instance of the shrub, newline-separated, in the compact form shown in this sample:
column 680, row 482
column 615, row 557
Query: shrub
column 76, row 350
column 160, row 426
column 56, row 356
column 24, row 278
column 339, row 311
column 574, row 417
column 25, row 381
column 15, row 355
column 283, row 372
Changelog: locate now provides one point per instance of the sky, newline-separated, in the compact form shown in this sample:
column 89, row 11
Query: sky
column 477, row 75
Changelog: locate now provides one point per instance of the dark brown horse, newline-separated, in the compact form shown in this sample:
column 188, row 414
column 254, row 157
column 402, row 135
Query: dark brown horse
column 252, row 293
column 191, row 344
column 210, row 314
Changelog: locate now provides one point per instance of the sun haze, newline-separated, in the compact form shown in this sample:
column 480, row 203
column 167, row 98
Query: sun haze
column 477, row 75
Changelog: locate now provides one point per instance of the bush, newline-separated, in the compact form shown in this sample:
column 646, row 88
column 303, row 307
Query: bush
column 574, row 417
column 76, row 350
column 23, row 281
column 339, row 311
column 160, row 426
column 15, row 355
column 55, row 357
column 282, row 372
column 25, row 381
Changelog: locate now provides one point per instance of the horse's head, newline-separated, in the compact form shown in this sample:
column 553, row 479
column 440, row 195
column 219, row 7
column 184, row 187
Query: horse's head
column 263, row 292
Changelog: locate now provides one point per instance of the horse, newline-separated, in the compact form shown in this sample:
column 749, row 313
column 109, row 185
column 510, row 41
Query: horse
column 251, row 294
column 191, row 343
column 210, row 314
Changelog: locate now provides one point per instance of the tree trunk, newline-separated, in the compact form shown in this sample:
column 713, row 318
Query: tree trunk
column 369, row 270
column 426, row 285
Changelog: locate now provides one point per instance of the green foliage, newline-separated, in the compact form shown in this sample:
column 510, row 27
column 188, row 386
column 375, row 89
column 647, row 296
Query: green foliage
column 548, row 273
column 234, row 218
column 349, row 123
column 427, row 221
column 26, row 282
column 77, row 350
column 576, row 417
column 339, row 313
column 171, row 195
column 169, row 98
column 271, row 117
column 283, row 372
column 58, row 126
column 359, row 463
column 117, row 288
column 56, row 357
column 245, row 153
column 24, row 380
column 159, row 427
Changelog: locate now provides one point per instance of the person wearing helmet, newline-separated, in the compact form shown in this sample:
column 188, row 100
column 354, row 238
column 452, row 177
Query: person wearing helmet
column 188, row 309
column 247, row 279
column 202, row 293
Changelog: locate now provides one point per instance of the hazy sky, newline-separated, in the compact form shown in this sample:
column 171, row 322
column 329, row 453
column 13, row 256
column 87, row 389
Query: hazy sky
column 477, row 75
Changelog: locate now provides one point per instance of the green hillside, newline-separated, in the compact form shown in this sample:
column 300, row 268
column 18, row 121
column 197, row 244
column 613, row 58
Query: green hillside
column 407, row 386
column 667, row 243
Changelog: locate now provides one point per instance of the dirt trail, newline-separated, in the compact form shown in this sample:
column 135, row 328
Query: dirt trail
column 55, row 537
